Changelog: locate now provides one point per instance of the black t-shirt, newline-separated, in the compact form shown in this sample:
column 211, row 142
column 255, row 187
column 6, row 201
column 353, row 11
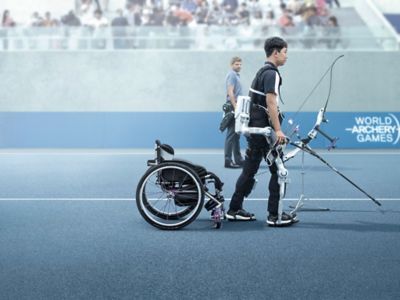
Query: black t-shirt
column 267, row 80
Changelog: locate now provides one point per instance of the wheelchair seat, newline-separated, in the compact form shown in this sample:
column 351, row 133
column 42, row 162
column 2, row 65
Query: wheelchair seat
column 200, row 171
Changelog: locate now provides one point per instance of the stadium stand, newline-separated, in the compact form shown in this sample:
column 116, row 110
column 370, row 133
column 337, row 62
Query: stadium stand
column 186, row 24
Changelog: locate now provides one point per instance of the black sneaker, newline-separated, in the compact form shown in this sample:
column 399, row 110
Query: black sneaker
column 232, row 165
column 286, row 220
column 240, row 215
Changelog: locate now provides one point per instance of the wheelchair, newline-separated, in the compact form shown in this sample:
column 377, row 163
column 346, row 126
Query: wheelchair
column 171, row 193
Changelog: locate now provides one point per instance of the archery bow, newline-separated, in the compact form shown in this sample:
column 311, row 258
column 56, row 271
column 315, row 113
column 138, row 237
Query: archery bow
column 321, row 114
column 302, row 144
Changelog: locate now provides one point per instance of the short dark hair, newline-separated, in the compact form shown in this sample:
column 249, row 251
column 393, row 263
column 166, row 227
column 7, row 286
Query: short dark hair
column 235, row 59
column 274, row 43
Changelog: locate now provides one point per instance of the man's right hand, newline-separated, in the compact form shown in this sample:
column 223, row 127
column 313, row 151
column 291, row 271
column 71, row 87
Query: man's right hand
column 280, row 137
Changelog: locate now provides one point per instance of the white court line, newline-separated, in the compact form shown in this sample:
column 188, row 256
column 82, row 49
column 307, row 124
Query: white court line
column 133, row 199
column 108, row 152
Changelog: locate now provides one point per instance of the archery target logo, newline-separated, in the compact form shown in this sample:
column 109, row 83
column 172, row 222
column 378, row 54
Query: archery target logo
column 376, row 129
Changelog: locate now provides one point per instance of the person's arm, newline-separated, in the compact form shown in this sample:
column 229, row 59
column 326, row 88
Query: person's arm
column 231, row 95
column 274, row 117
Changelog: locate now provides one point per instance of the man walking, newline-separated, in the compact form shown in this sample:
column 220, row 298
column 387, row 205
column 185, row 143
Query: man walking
column 264, row 112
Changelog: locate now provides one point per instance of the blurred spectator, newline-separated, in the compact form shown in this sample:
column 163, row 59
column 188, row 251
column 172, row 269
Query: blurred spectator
column 270, row 18
column 6, row 22
column 229, row 16
column 202, row 12
column 324, row 17
column 87, row 9
column 332, row 33
column 243, row 14
column 330, row 3
column 98, row 20
column 158, row 17
column 255, row 8
column 119, row 24
column 311, row 17
column 53, row 36
column 308, row 27
column 147, row 13
column 189, row 5
column 36, row 19
column 230, row 6
column 320, row 5
column 134, row 14
column 171, row 18
column 184, row 16
column 70, row 19
column 90, row 5
column 136, row 2
column 286, row 20
column 295, row 6
column 48, row 21
column 97, row 24
column 214, row 16
column 257, row 19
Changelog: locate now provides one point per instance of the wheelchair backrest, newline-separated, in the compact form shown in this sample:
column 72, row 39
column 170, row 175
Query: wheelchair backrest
column 163, row 152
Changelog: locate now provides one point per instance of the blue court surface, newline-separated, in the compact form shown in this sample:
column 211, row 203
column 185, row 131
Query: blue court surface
column 70, row 229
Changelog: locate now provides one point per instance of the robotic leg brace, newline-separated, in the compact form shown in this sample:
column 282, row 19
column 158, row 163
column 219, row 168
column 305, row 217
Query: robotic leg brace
column 283, row 179
column 242, row 118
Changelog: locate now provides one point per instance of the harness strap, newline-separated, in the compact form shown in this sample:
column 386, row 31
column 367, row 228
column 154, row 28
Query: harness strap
column 256, row 92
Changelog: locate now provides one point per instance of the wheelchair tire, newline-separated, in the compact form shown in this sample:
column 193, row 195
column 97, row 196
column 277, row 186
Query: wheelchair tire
column 170, row 195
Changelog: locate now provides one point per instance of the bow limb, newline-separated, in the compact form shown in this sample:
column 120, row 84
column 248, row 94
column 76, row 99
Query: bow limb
column 330, row 80
column 330, row 71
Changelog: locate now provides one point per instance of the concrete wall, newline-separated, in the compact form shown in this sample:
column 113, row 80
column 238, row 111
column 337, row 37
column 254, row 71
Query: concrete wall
column 129, row 99
column 187, row 80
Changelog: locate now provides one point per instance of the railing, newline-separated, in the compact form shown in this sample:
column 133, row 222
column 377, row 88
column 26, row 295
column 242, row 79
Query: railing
column 196, row 38
column 377, row 23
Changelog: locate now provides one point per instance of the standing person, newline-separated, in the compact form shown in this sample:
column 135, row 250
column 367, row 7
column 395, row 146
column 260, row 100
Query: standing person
column 6, row 22
column 119, row 30
column 98, row 24
column 330, row 3
column 264, row 112
column 233, row 90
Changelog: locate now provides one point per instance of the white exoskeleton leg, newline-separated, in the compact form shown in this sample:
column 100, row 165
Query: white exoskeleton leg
column 283, row 179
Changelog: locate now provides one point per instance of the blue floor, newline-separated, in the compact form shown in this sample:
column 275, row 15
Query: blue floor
column 86, row 248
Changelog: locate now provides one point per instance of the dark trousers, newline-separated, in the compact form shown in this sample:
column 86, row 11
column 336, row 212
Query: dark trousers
column 329, row 2
column 232, row 145
column 254, row 154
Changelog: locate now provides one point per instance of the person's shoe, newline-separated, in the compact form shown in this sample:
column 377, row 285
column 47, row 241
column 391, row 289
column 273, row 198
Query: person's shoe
column 294, row 218
column 239, row 215
column 240, row 163
column 231, row 165
column 286, row 220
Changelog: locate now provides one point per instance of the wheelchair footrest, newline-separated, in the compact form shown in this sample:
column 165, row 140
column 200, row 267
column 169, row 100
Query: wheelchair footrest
column 213, row 203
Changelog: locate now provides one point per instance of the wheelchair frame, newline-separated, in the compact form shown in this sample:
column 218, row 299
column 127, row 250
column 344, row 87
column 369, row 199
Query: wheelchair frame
column 171, row 193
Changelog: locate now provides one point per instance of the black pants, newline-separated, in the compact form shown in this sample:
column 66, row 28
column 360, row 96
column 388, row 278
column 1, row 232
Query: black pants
column 256, row 151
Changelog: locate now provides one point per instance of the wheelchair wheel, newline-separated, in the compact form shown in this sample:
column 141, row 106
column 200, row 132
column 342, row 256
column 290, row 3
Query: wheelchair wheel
column 170, row 195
